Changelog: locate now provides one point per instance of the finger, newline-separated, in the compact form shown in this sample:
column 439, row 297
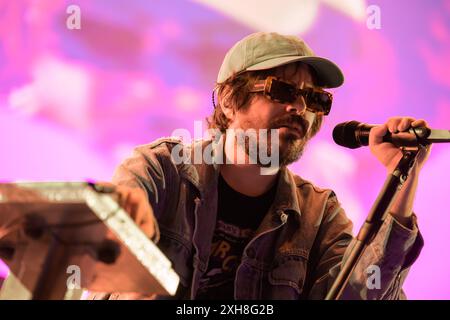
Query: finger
column 133, row 209
column 125, row 202
column 148, row 228
column 142, row 211
column 140, row 202
column 377, row 133
column 393, row 123
column 121, row 193
column 405, row 123
column 419, row 123
column 128, row 205
column 146, row 223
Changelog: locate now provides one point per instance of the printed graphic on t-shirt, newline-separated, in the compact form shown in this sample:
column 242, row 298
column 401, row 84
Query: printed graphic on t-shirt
column 238, row 217
column 228, row 244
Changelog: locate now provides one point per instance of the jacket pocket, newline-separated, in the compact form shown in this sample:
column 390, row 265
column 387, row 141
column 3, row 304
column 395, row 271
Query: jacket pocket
column 286, row 277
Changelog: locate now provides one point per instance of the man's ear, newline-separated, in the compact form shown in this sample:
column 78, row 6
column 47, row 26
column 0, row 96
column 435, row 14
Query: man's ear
column 228, row 112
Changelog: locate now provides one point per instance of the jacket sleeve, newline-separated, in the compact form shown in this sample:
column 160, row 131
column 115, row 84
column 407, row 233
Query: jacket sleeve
column 383, row 267
column 151, row 169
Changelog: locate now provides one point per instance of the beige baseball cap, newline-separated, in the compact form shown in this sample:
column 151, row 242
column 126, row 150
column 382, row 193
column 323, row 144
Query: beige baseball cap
column 262, row 50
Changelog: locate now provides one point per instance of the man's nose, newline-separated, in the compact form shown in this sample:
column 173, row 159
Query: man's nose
column 298, row 106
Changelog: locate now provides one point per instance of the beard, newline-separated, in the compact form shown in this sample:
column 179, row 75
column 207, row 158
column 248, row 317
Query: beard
column 292, row 150
column 290, row 146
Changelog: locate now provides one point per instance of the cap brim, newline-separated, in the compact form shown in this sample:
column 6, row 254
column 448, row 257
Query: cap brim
column 328, row 73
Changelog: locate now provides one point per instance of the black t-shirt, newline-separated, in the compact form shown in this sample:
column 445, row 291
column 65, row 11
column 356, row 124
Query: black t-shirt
column 238, row 217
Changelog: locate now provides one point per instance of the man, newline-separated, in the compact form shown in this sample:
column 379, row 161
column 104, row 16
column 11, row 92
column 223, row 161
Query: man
column 233, row 232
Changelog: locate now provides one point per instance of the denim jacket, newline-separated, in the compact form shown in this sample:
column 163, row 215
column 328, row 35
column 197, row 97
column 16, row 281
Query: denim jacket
column 297, row 249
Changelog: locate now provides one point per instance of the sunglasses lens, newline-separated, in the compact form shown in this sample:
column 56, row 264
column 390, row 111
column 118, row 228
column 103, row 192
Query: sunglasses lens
column 320, row 101
column 282, row 92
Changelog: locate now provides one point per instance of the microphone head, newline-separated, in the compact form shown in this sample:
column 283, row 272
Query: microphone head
column 344, row 134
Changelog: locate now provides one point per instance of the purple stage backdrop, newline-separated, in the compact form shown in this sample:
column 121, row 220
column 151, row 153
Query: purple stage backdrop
column 76, row 95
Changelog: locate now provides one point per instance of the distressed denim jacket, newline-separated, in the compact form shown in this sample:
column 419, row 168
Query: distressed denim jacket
column 296, row 251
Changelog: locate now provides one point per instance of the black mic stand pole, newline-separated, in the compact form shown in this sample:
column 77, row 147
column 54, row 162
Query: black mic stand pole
column 374, row 220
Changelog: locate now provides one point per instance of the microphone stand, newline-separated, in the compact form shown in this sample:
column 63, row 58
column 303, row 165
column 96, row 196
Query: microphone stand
column 374, row 220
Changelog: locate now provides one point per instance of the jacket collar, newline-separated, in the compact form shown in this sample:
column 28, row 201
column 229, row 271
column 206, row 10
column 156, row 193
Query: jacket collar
column 286, row 198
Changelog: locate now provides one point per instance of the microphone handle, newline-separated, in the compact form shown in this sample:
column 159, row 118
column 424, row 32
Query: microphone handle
column 411, row 138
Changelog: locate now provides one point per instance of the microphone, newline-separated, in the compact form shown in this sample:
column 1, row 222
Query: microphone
column 354, row 134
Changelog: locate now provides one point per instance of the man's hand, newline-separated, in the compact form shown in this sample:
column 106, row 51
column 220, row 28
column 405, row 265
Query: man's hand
column 389, row 155
column 386, row 152
column 135, row 202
